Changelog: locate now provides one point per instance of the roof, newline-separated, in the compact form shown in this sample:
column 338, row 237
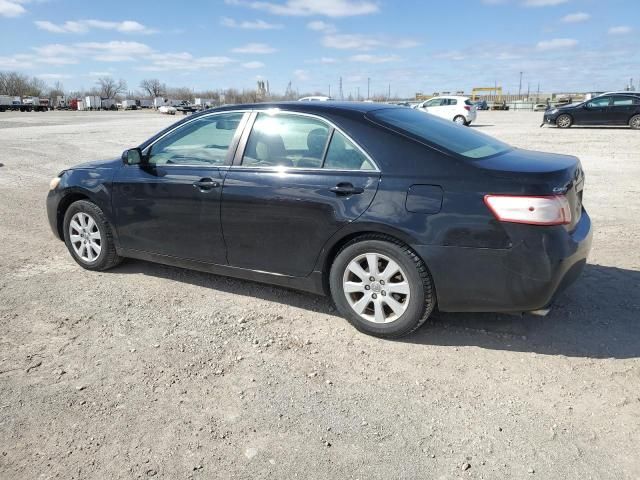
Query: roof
column 311, row 107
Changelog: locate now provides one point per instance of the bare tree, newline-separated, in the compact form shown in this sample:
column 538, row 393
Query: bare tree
column 36, row 87
column 109, row 88
column 153, row 87
column 13, row 83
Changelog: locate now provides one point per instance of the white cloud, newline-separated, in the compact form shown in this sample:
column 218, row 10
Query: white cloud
column 11, row 8
column 183, row 61
column 323, row 60
column 576, row 17
column 250, row 25
column 53, row 76
column 301, row 75
column 320, row 26
column 304, row 8
column 114, row 51
column 255, row 48
column 543, row 3
column 366, row 58
column 83, row 26
column 620, row 30
column 557, row 43
column 356, row 41
column 253, row 65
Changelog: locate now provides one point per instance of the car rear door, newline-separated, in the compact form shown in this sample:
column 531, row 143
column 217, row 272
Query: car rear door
column 296, row 180
column 622, row 109
column 170, row 203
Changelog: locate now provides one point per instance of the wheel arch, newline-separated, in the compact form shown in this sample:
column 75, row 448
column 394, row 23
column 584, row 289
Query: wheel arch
column 335, row 244
column 64, row 204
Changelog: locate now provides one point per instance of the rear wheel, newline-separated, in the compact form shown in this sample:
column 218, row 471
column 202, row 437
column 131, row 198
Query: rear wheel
column 564, row 121
column 89, row 237
column 460, row 120
column 635, row 122
column 381, row 286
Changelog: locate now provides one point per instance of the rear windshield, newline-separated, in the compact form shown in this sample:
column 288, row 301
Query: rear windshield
column 441, row 133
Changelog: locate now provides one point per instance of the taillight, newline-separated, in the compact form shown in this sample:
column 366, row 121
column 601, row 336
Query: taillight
column 467, row 108
column 545, row 210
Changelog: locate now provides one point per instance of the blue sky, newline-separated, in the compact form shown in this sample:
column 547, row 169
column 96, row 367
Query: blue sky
column 413, row 45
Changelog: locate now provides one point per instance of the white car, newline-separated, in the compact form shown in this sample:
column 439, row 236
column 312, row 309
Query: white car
column 167, row 109
column 459, row 109
column 315, row 98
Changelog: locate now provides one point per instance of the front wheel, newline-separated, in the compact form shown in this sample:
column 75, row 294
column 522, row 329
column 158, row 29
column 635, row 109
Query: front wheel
column 635, row 122
column 381, row 286
column 460, row 120
column 564, row 121
column 89, row 237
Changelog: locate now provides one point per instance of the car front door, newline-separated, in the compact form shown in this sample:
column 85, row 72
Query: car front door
column 435, row 106
column 595, row 112
column 169, row 204
column 295, row 181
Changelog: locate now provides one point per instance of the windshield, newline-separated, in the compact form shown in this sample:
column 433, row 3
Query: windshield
column 438, row 132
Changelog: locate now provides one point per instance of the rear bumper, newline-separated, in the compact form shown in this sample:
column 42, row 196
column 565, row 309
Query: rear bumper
column 542, row 263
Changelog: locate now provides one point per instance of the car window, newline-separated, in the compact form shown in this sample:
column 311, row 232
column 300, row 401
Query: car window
column 600, row 102
column 622, row 101
column 449, row 101
column 436, row 102
column 439, row 133
column 204, row 141
column 286, row 140
column 342, row 154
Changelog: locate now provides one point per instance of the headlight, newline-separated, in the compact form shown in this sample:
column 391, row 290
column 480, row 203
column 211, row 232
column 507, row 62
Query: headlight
column 53, row 184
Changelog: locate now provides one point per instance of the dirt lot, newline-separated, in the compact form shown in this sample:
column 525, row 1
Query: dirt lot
column 148, row 370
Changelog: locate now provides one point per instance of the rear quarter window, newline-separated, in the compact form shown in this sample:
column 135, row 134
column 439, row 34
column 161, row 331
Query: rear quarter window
column 439, row 133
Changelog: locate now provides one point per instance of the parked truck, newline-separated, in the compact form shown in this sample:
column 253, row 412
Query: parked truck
column 9, row 102
column 92, row 102
column 129, row 105
column 34, row 104
column 108, row 104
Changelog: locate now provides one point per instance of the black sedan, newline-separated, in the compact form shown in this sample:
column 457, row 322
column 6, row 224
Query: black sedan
column 390, row 211
column 608, row 109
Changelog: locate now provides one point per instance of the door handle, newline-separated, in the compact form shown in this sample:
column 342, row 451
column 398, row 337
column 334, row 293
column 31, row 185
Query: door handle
column 344, row 189
column 206, row 184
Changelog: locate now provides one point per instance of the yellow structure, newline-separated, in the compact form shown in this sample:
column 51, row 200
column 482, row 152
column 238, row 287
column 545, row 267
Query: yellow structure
column 495, row 91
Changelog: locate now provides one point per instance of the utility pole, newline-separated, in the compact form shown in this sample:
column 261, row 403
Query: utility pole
column 329, row 89
column 341, row 94
column 368, row 87
column 358, row 94
column 520, row 86
column 389, row 96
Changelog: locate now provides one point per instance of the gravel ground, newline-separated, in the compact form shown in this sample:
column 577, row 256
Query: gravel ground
column 152, row 371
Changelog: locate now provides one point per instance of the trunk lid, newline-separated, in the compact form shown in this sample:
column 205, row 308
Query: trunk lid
column 525, row 172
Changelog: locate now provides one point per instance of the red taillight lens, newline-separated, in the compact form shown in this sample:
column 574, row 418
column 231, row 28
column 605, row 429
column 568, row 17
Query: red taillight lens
column 467, row 108
column 546, row 210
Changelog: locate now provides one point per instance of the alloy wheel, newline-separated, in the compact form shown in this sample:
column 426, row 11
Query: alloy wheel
column 564, row 121
column 376, row 288
column 459, row 120
column 85, row 237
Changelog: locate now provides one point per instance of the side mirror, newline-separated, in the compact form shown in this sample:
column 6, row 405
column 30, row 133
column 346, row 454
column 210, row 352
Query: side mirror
column 133, row 156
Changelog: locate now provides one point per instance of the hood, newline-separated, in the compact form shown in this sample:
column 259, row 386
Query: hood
column 108, row 164
column 570, row 106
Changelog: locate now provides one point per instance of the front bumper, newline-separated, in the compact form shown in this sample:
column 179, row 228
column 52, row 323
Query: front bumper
column 53, row 201
column 542, row 262
column 549, row 119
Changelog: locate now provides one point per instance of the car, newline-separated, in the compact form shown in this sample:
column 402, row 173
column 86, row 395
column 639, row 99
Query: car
column 481, row 105
column 459, row 109
column 315, row 98
column 540, row 107
column 390, row 211
column 607, row 109
column 168, row 109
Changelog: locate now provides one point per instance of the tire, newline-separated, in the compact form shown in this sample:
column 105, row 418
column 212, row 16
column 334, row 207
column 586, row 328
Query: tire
column 459, row 119
column 410, row 310
column 95, row 229
column 564, row 121
column 634, row 122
